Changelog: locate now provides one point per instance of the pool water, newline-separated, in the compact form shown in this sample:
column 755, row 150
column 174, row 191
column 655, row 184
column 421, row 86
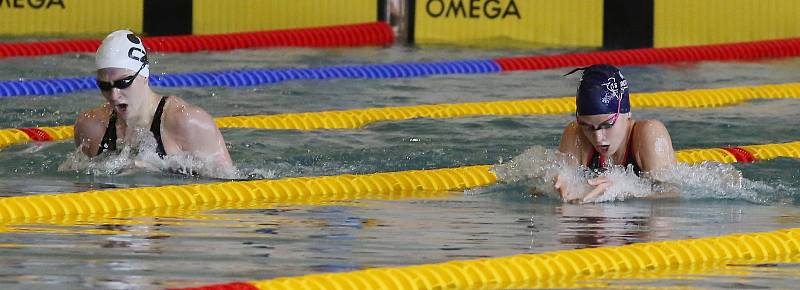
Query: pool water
column 190, row 247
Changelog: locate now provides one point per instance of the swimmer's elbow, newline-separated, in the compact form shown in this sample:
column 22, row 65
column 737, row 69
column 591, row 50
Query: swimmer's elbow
column 225, row 169
column 222, row 160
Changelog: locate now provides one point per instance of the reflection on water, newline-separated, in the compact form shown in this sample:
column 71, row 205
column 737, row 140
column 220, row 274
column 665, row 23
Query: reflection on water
column 185, row 248
column 596, row 225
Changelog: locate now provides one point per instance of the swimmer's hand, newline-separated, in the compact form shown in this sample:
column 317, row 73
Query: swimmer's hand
column 568, row 193
column 600, row 184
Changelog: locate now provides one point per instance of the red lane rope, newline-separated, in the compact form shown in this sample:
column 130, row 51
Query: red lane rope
column 740, row 154
column 48, row 47
column 736, row 51
column 36, row 134
column 228, row 286
column 367, row 34
column 364, row 34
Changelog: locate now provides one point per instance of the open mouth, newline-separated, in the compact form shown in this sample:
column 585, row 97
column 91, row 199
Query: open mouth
column 122, row 107
column 604, row 148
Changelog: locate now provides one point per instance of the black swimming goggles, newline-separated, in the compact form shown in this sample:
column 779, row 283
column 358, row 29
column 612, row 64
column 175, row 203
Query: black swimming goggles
column 123, row 83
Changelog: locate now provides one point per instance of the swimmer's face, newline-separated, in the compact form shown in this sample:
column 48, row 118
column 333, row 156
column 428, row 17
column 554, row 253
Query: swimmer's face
column 604, row 131
column 128, row 99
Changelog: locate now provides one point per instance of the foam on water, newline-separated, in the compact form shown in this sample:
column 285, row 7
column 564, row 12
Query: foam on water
column 721, row 181
column 140, row 154
column 539, row 166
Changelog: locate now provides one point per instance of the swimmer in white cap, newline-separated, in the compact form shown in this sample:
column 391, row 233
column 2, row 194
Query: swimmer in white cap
column 131, row 106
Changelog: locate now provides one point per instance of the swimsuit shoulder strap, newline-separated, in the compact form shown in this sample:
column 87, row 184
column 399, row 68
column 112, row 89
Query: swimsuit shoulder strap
column 155, row 127
column 109, row 141
column 629, row 156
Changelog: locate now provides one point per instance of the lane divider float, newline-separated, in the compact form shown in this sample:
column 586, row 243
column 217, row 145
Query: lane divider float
column 357, row 118
column 554, row 268
column 255, row 77
column 778, row 48
column 362, row 34
column 340, row 187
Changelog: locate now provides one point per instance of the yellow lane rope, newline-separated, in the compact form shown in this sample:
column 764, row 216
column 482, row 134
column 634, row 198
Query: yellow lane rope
column 352, row 119
column 341, row 187
column 290, row 190
column 549, row 269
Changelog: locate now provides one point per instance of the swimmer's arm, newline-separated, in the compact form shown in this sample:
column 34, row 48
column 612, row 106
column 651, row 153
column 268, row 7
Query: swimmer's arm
column 89, row 129
column 199, row 135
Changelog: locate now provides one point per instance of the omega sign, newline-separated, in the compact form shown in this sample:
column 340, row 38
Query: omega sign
column 34, row 4
column 477, row 9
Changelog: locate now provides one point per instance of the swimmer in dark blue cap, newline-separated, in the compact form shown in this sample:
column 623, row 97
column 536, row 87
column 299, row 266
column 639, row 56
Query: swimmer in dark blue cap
column 604, row 134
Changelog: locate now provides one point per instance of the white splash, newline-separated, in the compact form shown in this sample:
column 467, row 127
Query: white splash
column 141, row 155
column 539, row 166
column 717, row 181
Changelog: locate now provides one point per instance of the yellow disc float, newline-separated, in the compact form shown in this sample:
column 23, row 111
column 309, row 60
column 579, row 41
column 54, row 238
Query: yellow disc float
column 353, row 119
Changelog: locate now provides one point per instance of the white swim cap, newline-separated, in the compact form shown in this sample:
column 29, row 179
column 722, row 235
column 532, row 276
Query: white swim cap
column 122, row 49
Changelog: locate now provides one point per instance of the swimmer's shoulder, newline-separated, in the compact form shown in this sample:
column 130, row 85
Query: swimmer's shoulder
column 649, row 129
column 652, row 145
column 178, row 107
column 101, row 112
column 183, row 115
column 93, row 120
column 570, row 130
column 90, row 126
column 572, row 142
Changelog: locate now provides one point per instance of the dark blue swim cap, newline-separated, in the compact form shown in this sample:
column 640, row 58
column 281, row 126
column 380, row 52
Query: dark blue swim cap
column 603, row 90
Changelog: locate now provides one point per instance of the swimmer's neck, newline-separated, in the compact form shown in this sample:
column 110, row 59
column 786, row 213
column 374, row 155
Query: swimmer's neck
column 144, row 118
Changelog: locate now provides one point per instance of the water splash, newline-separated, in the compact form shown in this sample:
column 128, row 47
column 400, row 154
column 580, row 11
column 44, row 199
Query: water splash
column 140, row 155
column 539, row 166
column 258, row 173
column 712, row 180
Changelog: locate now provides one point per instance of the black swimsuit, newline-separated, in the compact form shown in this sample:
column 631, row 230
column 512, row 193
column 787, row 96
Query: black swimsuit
column 597, row 162
column 110, row 137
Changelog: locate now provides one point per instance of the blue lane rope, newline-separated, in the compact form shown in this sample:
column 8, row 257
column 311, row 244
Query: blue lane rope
column 256, row 77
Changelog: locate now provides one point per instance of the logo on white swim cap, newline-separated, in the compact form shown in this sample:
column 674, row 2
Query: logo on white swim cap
column 122, row 49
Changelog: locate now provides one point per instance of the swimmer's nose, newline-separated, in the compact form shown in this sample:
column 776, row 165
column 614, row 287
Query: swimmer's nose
column 599, row 134
column 116, row 94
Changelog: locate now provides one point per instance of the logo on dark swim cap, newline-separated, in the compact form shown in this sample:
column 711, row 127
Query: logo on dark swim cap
column 603, row 90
